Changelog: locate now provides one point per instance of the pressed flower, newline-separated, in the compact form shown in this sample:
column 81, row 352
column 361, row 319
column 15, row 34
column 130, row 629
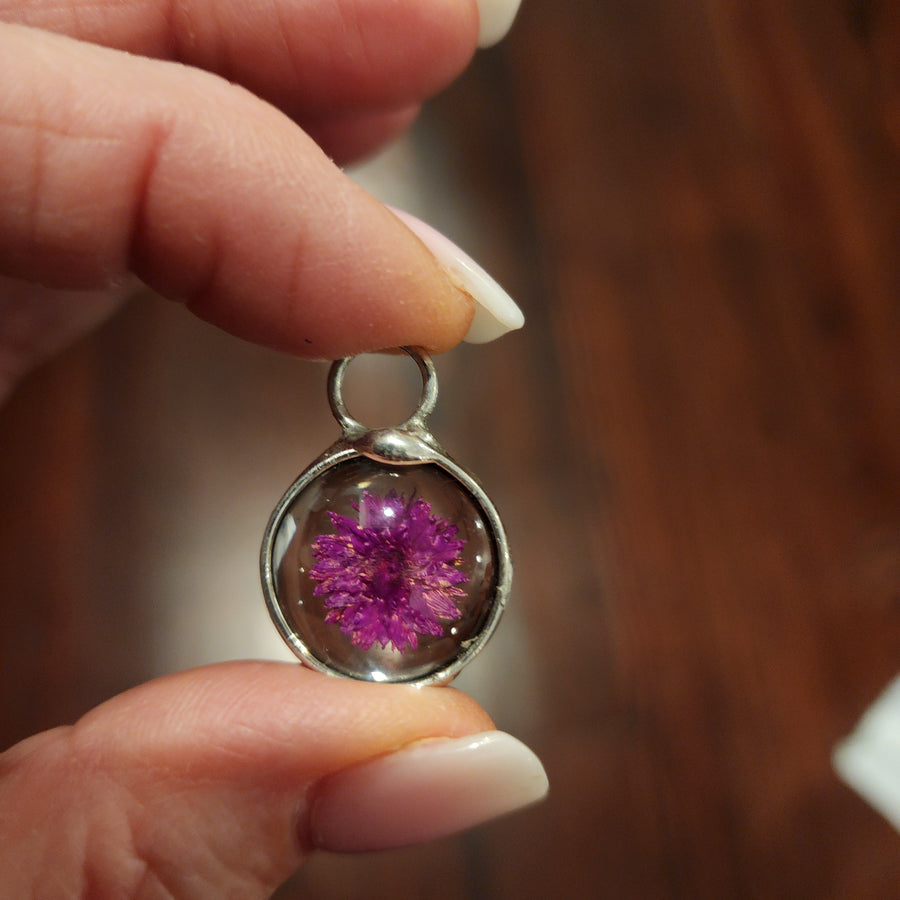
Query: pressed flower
column 392, row 575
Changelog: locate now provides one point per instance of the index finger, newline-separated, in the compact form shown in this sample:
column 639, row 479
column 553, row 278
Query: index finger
column 116, row 164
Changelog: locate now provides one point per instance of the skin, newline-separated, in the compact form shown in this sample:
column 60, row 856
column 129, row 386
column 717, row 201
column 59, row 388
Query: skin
column 189, row 146
column 215, row 192
column 199, row 784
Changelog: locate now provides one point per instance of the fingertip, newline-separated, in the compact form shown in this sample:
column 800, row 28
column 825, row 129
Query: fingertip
column 216, row 199
column 495, row 312
column 208, row 771
column 359, row 282
column 291, row 719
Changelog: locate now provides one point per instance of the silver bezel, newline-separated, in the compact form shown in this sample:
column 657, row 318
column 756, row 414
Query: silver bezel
column 408, row 444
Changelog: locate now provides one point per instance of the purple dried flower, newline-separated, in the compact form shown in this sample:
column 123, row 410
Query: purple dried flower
column 391, row 576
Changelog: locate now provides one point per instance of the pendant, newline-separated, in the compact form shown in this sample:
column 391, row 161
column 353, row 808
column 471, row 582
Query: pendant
column 385, row 560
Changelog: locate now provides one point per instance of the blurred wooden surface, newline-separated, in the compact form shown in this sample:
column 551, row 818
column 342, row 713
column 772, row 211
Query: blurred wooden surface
column 695, row 443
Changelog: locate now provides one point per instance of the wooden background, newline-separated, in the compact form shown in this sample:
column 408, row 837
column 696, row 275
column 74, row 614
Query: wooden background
column 695, row 443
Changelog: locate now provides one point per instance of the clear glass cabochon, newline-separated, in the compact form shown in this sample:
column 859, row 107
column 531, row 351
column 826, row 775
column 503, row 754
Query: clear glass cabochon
column 385, row 572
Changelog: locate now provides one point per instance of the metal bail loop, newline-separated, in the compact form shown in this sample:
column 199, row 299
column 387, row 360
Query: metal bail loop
column 416, row 422
column 388, row 501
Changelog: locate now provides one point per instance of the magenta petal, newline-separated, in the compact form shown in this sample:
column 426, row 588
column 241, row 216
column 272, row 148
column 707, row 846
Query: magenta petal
column 391, row 576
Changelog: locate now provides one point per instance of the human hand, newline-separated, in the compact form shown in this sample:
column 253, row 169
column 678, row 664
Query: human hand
column 221, row 781
column 148, row 164
column 118, row 166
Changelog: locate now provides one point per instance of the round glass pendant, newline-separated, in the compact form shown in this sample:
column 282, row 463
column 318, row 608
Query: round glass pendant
column 385, row 560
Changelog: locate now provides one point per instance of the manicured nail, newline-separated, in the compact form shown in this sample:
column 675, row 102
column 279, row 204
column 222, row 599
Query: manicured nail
column 495, row 19
column 496, row 312
column 427, row 790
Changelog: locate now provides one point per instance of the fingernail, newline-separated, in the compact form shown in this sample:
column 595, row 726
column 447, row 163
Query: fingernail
column 496, row 313
column 425, row 791
column 495, row 19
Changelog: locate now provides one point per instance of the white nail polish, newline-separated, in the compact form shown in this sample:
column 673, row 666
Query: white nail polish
column 496, row 313
column 425, row 791
column 495, row 19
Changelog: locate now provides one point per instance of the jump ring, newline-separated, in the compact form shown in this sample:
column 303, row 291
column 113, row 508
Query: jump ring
column 427, row 403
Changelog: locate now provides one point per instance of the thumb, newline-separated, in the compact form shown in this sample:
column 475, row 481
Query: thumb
column 222, row 780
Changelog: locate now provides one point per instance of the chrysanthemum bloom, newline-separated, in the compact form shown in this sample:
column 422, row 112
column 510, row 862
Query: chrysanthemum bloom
column 392, row 575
